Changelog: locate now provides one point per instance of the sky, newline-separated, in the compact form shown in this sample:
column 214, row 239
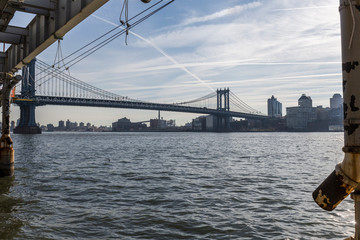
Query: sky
column 256, row 48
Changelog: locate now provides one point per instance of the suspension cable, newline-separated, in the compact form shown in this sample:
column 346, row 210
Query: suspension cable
column 243, row 103
column 85, row 46
column 210, row 95
column 113, row 37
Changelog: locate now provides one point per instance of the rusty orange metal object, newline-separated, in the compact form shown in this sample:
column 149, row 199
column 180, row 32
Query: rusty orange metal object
column 6, row 143
column 336, row 187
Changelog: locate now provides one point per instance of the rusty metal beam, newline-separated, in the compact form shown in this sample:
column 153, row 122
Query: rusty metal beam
column 40, row 7
column 13, row 35
column 48, row 5
column 6, row 14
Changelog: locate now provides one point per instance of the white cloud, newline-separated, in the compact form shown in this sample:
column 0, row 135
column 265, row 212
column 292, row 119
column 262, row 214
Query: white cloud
column 222, row 13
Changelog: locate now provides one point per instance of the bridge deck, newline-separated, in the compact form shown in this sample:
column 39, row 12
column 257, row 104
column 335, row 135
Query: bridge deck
column 67, row 101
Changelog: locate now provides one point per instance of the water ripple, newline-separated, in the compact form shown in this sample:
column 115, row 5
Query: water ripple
column 172, row 186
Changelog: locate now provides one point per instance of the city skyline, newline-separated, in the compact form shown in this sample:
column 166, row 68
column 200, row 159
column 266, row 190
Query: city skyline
column 289, row 48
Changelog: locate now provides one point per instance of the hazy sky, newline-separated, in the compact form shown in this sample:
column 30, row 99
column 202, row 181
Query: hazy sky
column 256, row 48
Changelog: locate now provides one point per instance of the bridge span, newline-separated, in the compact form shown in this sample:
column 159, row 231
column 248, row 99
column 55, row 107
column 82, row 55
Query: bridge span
column 86, row 102
column 53, row 87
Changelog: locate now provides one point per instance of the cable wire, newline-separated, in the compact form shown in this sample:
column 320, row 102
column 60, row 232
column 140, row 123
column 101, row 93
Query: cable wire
column 112, row 30
column 113, row 37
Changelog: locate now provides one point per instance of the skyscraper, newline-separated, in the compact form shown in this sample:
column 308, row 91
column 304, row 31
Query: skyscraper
column 274, row 107
column 336, row 101
column 336, row 115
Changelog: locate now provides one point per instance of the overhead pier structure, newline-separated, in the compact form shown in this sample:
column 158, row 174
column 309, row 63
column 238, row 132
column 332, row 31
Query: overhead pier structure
column 52, row 20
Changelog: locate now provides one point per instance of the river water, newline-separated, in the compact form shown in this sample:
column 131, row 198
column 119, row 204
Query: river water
column 172, row 186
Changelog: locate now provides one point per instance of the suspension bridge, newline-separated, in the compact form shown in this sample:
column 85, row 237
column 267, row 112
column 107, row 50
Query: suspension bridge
column 44, row 84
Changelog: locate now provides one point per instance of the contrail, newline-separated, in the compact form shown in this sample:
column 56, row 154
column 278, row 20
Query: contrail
column 305, row 8
column 248, row 62
column 243, row 81
column 179, row 65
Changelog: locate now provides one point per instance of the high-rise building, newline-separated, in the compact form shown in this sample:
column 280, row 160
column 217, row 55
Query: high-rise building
column 336, row 115
column 336, row 101
column 61, row 124
column 305, row 101
column 274, row 107
column 68, row 124
column 299, row 117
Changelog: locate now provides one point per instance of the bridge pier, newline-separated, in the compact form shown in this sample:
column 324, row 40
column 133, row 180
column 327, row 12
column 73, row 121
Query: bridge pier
column 27, row 124
column 223, row 123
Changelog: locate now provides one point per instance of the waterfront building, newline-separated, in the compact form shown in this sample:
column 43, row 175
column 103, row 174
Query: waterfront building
column 68, row 123
column 50, row 127
column 158, row 123
column 61, row 124
column 336, row 115
column 199, row 124
column 304, row 117
column 305, row 101
column 298, row 118
column 123, row 124
column 336, row 101
column 70, row 126
column 171, row 123
column 274, row 107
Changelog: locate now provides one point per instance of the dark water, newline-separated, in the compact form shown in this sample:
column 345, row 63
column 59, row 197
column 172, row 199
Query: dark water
column 172, row 186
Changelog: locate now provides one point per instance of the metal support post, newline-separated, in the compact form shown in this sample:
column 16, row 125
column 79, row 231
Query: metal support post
column 356, row 197
column 346, row 176
column 6, row 143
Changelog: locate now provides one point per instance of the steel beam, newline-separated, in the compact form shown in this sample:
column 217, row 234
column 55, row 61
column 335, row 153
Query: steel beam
column 13, row 35
column 40, row 7
column 41, row 4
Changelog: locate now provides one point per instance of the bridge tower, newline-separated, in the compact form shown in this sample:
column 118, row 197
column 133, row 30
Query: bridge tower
column 223, row 104
column 27, row 124
column 223, row 100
